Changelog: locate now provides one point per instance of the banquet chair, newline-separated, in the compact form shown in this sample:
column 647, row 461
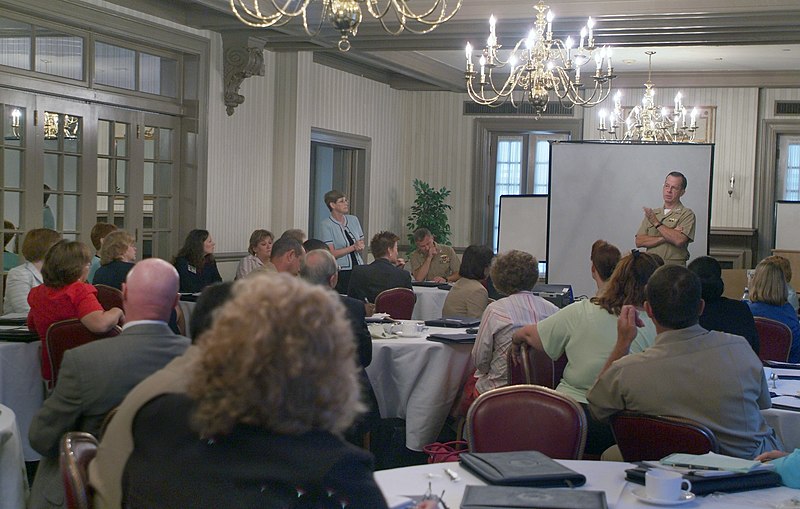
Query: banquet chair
column 78, row 448
column 775, row 339
column 643, row 437
column 66, row 334
column 545, row 420
column 397, row 302
column 535, row 368
column 109, row 297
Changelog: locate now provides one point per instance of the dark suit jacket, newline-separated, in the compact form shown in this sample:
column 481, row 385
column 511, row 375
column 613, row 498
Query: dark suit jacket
column 731, row 316
column 249, row 467
column 356, row 313
column 93, row 379
column 367, row 281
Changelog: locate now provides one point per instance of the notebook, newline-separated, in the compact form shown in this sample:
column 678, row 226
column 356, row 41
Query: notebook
column 512, row 497
column 454, row 321
column 452, row 338
column 521, row 468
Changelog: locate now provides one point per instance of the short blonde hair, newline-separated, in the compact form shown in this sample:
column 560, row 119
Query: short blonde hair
column 514, row 271
column 280, row 355
column 784, row 264
column 114, row 246
column 769, row 284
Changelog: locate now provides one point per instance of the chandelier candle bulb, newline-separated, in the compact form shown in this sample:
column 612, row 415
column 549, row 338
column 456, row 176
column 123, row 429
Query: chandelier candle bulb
column 694, row 118
column 583, row 36
column 550, row 17
column 590, row 24
column 469, row 53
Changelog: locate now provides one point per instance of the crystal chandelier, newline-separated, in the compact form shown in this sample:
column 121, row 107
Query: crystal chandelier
column 649, row 122
column 538, row 65
column 345, row 15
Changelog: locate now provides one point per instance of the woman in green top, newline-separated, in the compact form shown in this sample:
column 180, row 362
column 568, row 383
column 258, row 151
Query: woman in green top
column 586, row 332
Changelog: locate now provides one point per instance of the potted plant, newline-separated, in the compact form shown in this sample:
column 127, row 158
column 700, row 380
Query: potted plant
column 429, row 211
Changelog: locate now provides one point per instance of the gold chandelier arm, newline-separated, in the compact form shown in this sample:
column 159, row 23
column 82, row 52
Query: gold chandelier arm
column 255, row 18
column 404, row 13
column 316, row 31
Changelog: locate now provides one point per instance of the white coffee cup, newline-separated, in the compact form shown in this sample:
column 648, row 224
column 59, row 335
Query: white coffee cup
column 412, row 329
column 665, row 485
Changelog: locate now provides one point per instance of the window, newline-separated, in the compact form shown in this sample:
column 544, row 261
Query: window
column 788, row 174
column 117, row 66
column 522, row 166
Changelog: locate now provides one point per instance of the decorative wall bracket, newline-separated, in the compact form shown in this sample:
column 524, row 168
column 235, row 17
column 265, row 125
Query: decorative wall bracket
column 242, row 60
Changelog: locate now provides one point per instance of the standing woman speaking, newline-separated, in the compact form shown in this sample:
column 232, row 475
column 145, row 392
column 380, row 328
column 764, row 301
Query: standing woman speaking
column 344, row 237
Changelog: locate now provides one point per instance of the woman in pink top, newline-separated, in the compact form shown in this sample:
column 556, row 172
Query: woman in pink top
column 65, row 295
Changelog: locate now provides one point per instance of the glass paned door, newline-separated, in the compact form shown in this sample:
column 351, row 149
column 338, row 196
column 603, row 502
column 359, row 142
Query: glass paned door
column 159, row 180
column 62, row 132
column 15, row 140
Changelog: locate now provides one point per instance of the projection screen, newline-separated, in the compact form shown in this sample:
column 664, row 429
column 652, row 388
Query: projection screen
column 597, row 191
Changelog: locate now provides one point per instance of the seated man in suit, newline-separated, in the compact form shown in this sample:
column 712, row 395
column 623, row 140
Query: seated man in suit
column 320, row 269
column 105, row 470
column 367, row 281
column 287, row 256
column 94, row 378
column 711, row 377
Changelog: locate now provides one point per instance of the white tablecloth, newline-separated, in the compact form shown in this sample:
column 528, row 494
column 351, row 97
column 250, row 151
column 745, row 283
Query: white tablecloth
column 21, row 387
column 13, row 480
column 418, row 380
column 430, row 302
column 786, row 423
column 600, row 476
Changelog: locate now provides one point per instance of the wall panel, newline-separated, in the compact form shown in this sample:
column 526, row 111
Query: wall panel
column 735, row 138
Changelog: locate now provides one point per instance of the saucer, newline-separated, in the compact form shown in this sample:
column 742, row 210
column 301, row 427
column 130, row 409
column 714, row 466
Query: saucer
column 402, row 334
column 641, row 494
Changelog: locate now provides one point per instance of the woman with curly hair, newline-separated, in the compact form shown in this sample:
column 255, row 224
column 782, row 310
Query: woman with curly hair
column 275, row 385
column 195, row 262
column 586, row 331
column 514, row 273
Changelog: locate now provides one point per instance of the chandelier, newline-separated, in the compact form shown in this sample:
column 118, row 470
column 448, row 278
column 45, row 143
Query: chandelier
column 538, row 65
column 649, row 122
column 345, row 15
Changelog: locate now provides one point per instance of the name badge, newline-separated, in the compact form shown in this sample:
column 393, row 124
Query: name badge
column 192, row 269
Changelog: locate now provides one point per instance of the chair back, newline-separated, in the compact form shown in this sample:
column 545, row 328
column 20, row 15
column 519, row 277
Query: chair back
column 775, row 339
column 643, row 437
column 78, row 448
column 66, row 334
column 397, row 302
column 536, row 368
column 545, row 421
column 109, row 297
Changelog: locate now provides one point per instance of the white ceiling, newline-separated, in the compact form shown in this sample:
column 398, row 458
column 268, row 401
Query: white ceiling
column 689, row 36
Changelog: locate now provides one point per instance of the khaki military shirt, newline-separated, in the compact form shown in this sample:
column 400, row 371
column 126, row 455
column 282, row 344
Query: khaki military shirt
column 678, row 216
column 444, row 264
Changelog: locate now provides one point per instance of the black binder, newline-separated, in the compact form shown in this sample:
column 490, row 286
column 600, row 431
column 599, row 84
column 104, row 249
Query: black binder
column 513, row 497
column 701, row 485
column 521, row 468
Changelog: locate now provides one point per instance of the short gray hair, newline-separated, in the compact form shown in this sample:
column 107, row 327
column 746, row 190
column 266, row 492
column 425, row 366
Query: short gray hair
column 319, row 267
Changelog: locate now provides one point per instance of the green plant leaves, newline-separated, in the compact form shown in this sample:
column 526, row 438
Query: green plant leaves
column 429, row 211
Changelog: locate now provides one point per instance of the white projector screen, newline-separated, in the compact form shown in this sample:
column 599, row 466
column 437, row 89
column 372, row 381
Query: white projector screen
column 523, row 224
column 597, row 191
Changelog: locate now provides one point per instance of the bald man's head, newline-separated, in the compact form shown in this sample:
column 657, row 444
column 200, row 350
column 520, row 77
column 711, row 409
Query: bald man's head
column 150, row 291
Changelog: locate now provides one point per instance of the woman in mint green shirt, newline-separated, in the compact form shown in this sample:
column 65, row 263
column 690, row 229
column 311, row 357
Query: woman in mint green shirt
column 586, row 331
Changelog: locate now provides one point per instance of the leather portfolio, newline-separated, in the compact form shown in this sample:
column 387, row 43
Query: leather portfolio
column 521, row 468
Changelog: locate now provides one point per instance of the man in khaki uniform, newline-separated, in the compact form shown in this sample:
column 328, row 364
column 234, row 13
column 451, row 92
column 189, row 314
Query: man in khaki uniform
column 432, row 261
column 667, row 231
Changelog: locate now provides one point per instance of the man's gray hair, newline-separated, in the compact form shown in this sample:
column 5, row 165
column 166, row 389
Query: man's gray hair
column 319, row 267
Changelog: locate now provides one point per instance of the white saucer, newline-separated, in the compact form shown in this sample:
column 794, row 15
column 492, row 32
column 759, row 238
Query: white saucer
column 641, row 494
column 402, row 334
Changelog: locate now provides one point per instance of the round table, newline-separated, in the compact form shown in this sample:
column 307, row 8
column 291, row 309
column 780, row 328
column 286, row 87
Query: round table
column 13, row 479
column 606, row 476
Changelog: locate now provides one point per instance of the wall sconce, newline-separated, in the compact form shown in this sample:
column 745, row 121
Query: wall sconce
column 731, row 183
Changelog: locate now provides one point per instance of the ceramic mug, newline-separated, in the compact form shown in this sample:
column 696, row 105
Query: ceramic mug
column 665, row 485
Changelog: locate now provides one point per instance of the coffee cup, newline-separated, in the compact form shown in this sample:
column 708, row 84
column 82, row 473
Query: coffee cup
column 412, row 329
column 665, row 485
